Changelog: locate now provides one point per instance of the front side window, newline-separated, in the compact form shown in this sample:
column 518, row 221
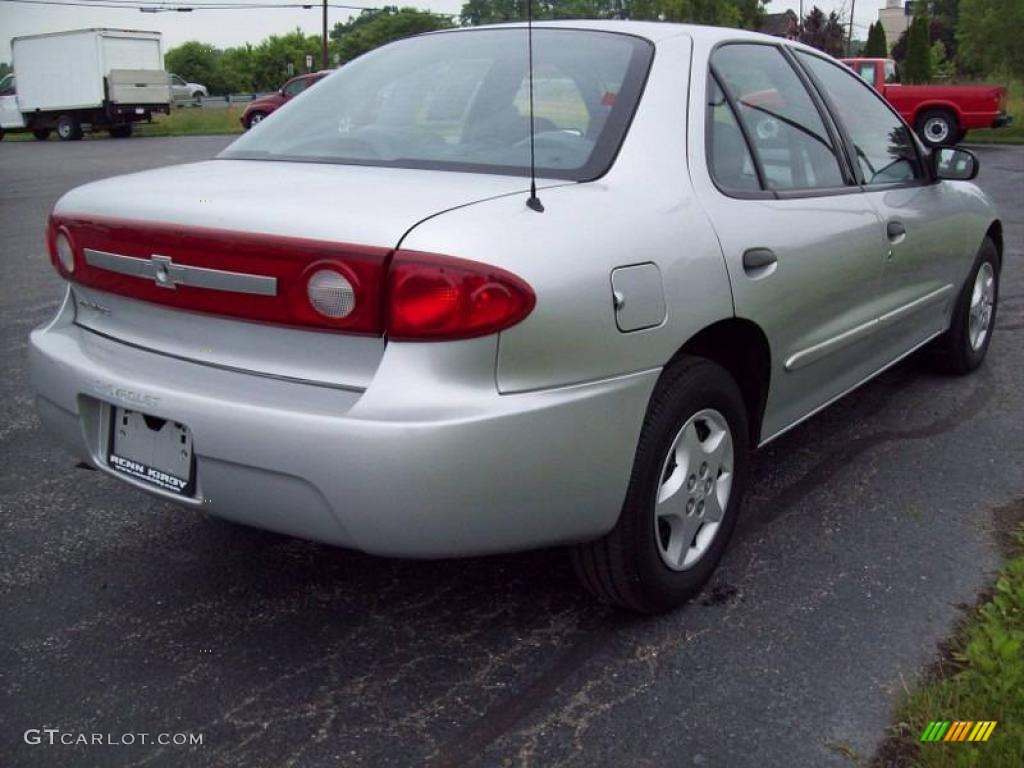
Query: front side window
column 296, row 87
column 175, row 80
column 884, row 149
column 784, row 126
column 460, row 101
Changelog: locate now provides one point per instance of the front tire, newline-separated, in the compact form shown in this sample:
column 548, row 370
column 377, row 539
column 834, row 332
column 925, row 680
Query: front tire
column 687, row 485
column 963, row 347
column 938, row 128
column 255, row 119
column 197, row 99
column 41, row 134
column 68, row 128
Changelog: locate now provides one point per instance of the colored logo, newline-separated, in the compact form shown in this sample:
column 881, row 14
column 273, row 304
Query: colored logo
column 958, row 730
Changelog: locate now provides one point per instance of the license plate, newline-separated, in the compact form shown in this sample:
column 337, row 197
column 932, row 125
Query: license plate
column 157, row 451
column 140, row 111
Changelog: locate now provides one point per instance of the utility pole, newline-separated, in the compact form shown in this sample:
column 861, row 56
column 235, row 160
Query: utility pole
column 849, row 38
column 323, row 41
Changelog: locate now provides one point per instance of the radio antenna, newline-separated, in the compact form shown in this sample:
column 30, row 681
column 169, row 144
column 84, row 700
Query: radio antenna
column 533, row 202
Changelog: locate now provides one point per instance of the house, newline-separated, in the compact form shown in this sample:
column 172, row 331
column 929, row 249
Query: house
column 785, row 24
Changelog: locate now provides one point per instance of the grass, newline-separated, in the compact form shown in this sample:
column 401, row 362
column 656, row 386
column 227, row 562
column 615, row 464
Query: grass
column 1011, row 134
column 192, row 122
column 183, row 121
column 980, row 677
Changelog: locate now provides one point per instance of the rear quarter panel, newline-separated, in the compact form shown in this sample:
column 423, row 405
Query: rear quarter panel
column 642, row 210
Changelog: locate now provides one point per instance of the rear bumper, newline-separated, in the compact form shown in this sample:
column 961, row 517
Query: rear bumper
column 429, row 461
column 1002, row 120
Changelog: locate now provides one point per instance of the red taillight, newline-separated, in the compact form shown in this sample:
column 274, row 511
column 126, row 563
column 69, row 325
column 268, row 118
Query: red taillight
column 291, row 261
column 332, row 286
column 434, row 298
column 62, row 249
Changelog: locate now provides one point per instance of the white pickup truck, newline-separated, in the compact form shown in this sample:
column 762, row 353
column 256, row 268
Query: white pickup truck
column 84, row 80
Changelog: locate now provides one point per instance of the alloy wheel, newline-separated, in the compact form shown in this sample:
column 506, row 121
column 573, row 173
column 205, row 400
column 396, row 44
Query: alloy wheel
column 983, row 298
column 696, row 480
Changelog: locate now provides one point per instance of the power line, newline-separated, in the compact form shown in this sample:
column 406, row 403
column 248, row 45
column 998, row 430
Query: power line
column 198, row 6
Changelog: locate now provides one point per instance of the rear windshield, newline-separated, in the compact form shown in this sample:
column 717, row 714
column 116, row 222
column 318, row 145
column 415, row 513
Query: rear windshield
column 460, row 101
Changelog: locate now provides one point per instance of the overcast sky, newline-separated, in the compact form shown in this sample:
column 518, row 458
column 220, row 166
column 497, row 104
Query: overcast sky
column 227, row 28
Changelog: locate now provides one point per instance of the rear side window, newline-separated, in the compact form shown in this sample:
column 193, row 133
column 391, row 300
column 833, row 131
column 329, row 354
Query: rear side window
column 732, row 165
column 884, row 149
column 788, row 135
column 866, row 70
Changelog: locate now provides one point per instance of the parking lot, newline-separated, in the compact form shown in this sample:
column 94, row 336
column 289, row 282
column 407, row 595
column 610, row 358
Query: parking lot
column 866, row 530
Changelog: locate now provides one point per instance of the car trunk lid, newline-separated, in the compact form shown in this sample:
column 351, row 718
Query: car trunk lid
column 208, row 262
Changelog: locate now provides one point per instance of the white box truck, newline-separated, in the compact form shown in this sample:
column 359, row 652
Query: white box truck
column 84, row 80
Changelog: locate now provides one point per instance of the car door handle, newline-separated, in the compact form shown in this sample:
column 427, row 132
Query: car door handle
column 895, row 230
column 759, row 262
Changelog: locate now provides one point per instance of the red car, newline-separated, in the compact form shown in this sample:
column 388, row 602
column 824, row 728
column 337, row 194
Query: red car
column 263, row 106
column 941, row 114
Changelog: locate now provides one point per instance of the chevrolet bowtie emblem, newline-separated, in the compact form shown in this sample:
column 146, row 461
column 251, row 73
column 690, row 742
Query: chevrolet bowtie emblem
column 165, row 271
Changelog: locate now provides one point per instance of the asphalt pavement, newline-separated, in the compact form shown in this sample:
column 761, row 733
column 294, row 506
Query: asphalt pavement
column 866, row 530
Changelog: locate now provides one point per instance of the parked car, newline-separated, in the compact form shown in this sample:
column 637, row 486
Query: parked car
column 83, row 80
column 258, row 109
column 941, row 114
column 360, row 325
column 185, row 92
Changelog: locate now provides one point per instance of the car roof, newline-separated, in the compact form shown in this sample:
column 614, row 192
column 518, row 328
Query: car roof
column 654, row 31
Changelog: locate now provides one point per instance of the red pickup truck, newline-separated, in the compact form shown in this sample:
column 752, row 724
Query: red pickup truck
column 941, row 114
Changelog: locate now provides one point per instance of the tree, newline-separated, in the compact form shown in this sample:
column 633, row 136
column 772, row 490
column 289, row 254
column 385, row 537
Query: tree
column 373, row 28
column 988, row 32
column 5, row 69
column 823, row 32
column 918, row 65
column 877, row 47
column 746, row 14
column 270, row 59
column 236, row 70
column 725, row 13
column 196, row 62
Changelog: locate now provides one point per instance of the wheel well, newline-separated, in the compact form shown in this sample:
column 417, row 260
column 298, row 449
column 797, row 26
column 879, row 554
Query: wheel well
column 940, row 107
column 995, row 231
column 740, row 347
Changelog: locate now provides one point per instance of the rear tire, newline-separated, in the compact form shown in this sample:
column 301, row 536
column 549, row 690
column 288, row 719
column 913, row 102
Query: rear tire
column 938, row 128
column 41, row 134
column 963, row 347
column 690, row 468
column 68, row 128
column 123, row 131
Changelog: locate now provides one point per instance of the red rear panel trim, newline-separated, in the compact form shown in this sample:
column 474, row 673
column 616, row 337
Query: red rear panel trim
column 288, row 259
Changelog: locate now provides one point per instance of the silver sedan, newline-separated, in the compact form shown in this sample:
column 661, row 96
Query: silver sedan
column 359, row 325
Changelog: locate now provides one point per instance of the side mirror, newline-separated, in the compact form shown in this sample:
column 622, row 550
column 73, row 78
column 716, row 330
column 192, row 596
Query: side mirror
column 955, row 164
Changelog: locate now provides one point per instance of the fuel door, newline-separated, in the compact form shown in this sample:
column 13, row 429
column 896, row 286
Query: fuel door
column 638, row 297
